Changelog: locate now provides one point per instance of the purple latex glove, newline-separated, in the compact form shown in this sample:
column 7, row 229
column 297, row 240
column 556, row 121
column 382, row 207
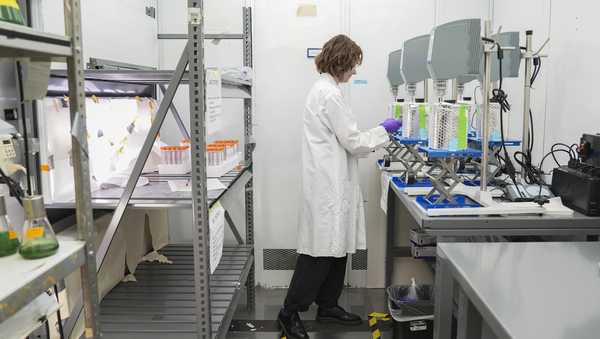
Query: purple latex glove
column 391, row 125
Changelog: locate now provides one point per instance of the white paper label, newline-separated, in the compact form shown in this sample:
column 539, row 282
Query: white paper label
column 216, row 217
column 214, row 101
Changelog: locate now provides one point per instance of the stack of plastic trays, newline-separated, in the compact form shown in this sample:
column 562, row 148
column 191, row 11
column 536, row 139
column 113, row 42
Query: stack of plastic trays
column 448, row 127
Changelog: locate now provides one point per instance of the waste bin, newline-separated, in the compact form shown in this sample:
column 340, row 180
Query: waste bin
column 412, row 309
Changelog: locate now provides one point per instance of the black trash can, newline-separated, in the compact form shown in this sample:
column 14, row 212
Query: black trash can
column 415, row 329
column 413, row 318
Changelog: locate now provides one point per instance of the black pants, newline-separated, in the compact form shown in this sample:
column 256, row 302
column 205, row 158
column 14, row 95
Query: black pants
column 316, row 279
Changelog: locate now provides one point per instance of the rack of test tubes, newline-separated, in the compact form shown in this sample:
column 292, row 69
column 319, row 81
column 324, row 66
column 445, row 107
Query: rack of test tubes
column 222, row 157
column 175, row 160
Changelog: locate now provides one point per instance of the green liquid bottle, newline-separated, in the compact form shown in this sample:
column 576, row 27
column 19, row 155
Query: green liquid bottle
column 10, row 12
column 9, row 241
column 39, row 240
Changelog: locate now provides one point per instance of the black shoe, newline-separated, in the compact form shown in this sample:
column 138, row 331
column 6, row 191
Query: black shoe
column 291, row 325
column 337, row 315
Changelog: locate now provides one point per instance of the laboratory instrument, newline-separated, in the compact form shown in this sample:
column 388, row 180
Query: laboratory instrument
column 454, row 52
column 38, row 238
column 459, row 45
column 413, row 65
column 414, row 112
column 394, row 74
column 578, row 183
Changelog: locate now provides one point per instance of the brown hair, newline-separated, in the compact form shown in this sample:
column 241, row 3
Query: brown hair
column 339, row 55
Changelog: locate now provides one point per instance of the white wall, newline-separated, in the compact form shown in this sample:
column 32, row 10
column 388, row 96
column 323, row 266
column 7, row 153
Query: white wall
column 112, row 29
column 573, row 71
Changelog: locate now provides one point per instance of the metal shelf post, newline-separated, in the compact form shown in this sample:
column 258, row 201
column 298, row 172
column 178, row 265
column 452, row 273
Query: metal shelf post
column 199, row 193
column 85, row 221
column 248, row 149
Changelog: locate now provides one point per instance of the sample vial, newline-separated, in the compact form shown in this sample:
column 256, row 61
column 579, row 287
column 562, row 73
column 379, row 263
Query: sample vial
column 38, row 237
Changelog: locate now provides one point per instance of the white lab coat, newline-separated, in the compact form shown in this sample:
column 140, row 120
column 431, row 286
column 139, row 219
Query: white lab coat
column 332, row 219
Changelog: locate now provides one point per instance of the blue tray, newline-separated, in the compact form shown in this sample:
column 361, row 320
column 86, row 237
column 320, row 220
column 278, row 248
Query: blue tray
column 409, row 141
column 462, row 201
column 419, row 183
column 472, row 183
column 496, row 143
column 444, row 153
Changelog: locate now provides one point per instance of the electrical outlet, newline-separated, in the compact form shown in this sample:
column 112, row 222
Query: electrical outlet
column 151, row 12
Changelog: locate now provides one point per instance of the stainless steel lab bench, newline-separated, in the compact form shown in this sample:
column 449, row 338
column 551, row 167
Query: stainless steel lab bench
column 402, row 214
column 518, row 290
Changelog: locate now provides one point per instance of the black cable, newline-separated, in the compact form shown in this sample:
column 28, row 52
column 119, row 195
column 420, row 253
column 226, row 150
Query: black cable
column 531, row 174
column 499, row 96
column 537, row 66
column 531, row 134
column 47, row 325
column 568, row 149
column 576, row 150
column 541, row 167
column 24, row 121
column 13, row 187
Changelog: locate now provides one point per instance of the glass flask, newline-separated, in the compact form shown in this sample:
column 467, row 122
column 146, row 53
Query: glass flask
column 9, row 241
column 38, row 238
column 11, row 12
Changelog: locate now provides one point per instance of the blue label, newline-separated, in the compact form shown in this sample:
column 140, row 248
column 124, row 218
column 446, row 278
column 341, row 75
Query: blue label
column 312, row 52
column 360, row 82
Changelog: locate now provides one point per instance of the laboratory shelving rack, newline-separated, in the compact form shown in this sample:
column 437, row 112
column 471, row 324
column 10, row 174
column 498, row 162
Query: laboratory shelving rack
column 182, row 300
column 23, row 42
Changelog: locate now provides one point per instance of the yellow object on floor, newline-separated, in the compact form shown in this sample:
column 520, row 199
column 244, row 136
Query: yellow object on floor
column 10, row 12
column 373, row 323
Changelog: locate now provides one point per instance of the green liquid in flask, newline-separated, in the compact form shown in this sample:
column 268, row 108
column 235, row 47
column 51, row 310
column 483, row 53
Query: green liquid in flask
column 39, row 248
column 9, row 243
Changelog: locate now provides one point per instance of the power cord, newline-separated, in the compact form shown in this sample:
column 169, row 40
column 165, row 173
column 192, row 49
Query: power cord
column 552, row 152
column 531, row 174
column 13, row 186
column 500, row 97
column 24, row 121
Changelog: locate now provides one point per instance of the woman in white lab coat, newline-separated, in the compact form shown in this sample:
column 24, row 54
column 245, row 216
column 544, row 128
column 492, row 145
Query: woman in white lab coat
column 332, row 221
